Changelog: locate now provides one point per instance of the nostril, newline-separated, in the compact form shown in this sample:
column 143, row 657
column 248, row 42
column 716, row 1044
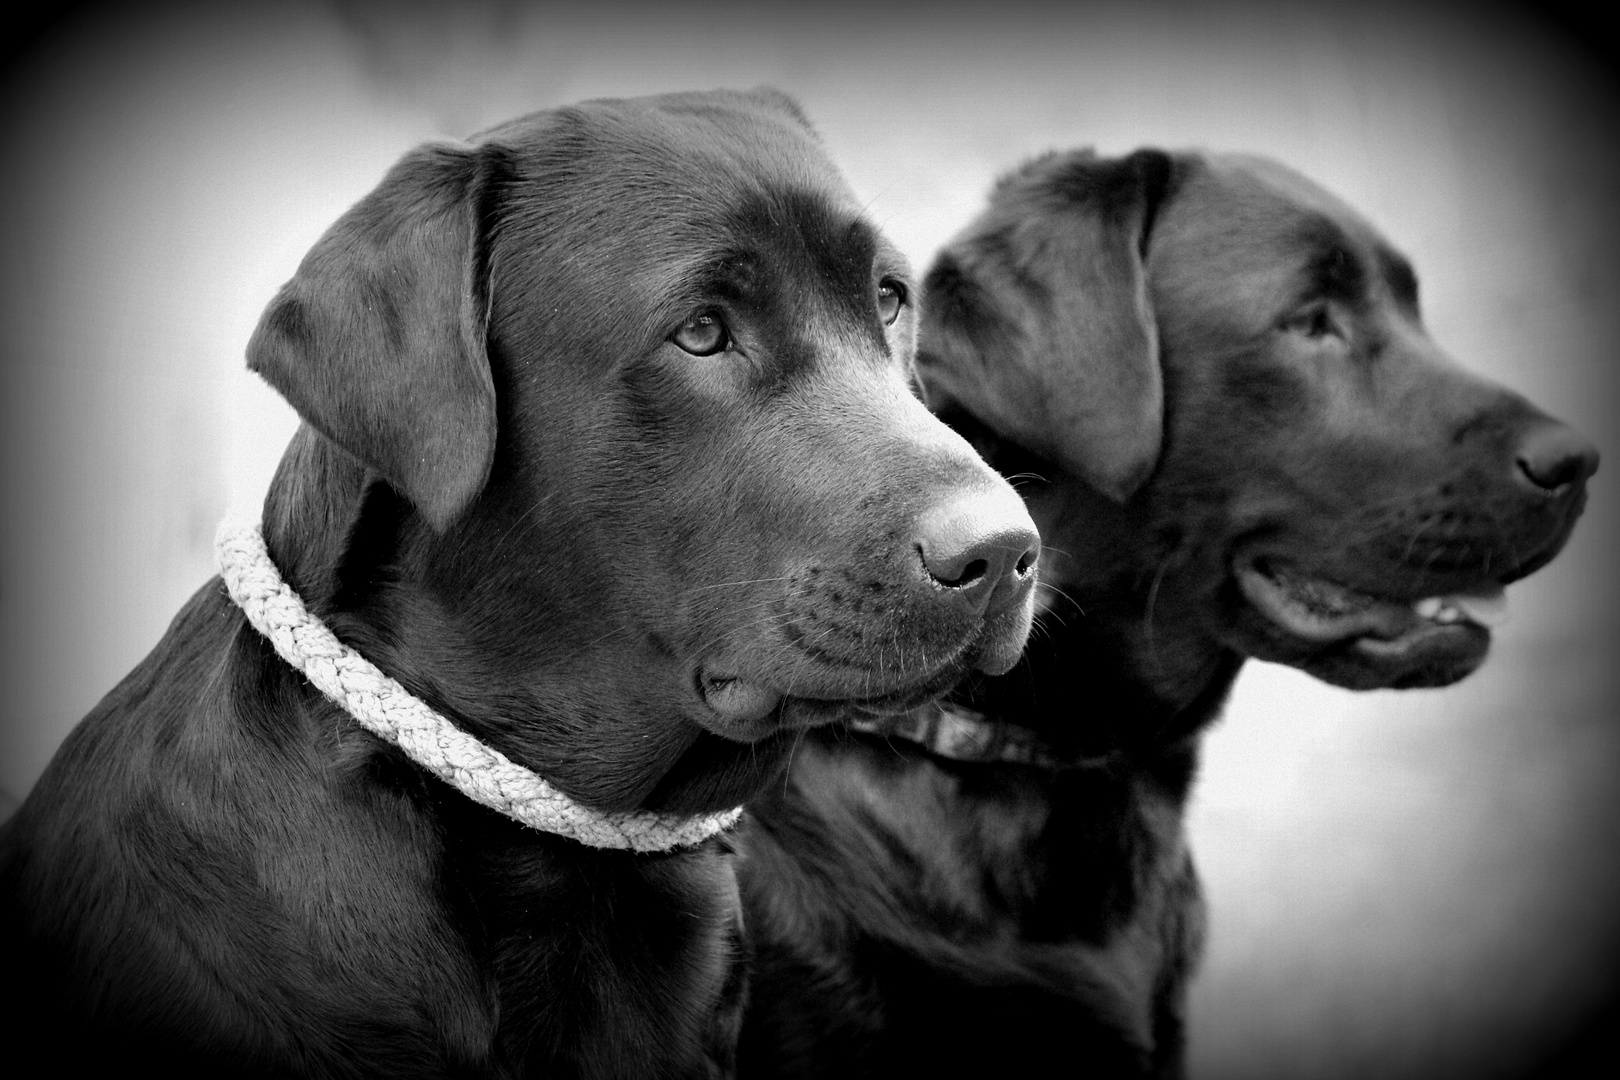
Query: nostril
column 1548, row 478
column 973, row 571
column 1026, row 562
column 1556, row 458
column 949, row 576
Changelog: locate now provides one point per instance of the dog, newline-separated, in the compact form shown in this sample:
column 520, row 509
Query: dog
column 609, row 459
column 1212, row 380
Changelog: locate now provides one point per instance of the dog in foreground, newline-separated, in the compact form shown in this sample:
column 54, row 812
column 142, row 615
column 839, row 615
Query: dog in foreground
column 608, row 459
column 1211, row 379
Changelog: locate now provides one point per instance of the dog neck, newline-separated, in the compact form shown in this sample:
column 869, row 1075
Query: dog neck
column 1078, row 696
column 384, row 707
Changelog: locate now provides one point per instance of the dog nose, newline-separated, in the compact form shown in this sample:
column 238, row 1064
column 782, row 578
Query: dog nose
column 1556, row 458
column 983, row 549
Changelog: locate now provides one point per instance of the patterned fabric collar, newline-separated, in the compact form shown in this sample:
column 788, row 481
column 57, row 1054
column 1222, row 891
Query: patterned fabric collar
column 958, row 733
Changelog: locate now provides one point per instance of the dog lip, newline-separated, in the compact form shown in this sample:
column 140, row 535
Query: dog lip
column 1318, row 609
column 1002, row 641
column 905, row 700
column 1428, row 636
column 813, row 712
column 745, row 708
column 735, row 699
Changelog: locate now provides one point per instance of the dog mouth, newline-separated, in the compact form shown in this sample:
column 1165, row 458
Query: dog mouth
column 1316, row 609
column 831, row 688
column 748, row 710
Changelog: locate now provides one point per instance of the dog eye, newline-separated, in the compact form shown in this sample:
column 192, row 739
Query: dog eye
column 891, row 297
column 1315, row 321
column 703, row 334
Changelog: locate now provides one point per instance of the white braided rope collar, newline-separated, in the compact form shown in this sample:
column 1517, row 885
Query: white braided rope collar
column 386, row 709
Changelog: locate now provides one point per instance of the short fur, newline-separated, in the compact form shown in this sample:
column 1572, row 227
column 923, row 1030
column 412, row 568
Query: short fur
column 1319, row 466
column 638, row 571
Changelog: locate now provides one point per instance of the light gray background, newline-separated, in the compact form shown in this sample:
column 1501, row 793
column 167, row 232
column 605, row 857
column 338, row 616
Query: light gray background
column 1401, row 884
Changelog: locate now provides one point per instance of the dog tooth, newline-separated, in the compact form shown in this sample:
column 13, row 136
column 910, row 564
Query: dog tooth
column 1428, row 607
column 1448, row 614
column 1487, row 610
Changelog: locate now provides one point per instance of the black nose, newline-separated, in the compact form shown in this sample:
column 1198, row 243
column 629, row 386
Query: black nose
column 1556, row 458
column 982, row 549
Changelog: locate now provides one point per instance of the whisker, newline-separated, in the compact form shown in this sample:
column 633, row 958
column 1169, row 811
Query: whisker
column 1055, row 591
column 1152, row 602
column 793, row 749
column 621, row 628
column 507, row 532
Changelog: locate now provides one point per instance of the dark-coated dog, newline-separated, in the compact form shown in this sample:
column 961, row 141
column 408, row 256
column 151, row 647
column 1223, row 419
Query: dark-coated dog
column 609, row 454
column 1237, row 440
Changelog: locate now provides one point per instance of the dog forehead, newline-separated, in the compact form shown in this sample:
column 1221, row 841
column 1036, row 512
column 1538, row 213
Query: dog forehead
column 658, row 192
column 1247, row 217
column 1270, row 202
column 671, row 148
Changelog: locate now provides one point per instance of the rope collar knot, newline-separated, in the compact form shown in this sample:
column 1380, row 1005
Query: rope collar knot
column 385, row 708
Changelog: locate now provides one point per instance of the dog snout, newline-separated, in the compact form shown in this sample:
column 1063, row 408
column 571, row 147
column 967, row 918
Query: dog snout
column 1556, row 458
column 981, row 550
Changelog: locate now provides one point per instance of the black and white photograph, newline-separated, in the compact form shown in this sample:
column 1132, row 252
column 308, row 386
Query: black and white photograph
column 629, row 539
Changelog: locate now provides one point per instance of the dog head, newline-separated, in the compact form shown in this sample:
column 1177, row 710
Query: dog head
column 610, row 451
column 1223, row 370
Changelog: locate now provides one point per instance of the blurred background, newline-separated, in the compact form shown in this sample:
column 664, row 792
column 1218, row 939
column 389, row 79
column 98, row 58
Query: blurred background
column 1414, row 884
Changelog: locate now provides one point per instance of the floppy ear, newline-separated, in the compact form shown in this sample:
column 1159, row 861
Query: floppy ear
column 1036, row 318
column 378, row 339
column 783, row 102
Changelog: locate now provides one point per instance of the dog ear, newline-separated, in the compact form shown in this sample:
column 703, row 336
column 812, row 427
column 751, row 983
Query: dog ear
column 783, row 102
column 1036, row 318
column 379, row 339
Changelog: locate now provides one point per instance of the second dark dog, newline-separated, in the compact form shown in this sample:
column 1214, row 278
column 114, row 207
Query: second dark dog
column 1212, row 380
